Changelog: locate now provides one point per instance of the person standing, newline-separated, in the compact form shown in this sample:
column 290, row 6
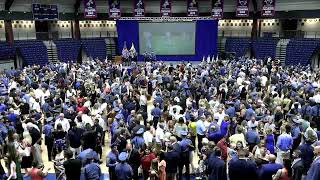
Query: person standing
column 297, row 165
column 284, row 143
column 314, row 171
column 156, row 113
column 242, row 168
column 48, row 136
column 171, row 157
column 112, row 161
column 186, row 148
column 201, row 132
column 285, row 173
column 216, row 168
column 267, row 170
column 72, row 166
column 123, row 170
column 92, row 170
column 133, row 159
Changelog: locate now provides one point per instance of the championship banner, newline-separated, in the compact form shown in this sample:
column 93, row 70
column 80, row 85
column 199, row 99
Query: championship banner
column 192, row 8
column 114, row 9
column 165, row 8
column 268, row 8
column 90, row 10
column 139, row 8
column 217, row 9
column 242, row 8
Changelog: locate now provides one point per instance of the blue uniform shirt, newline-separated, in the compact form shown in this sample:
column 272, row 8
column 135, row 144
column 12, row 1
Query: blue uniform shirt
column 201, row 129
column 92, row 171
column 47, row 130
column 138, row 142
column 252, row 137
column 184, row 144
column 123, row 171
column 156, row 112
column 284, row 142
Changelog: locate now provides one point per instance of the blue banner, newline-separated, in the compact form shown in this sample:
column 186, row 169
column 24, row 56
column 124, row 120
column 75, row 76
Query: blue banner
column 193, row 8
column 90, row 10
column 139, row 8
column 165, row 8
column 114, row 9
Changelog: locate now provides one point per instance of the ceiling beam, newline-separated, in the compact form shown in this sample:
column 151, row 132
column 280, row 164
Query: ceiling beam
column 76, row 6
column 8, row 4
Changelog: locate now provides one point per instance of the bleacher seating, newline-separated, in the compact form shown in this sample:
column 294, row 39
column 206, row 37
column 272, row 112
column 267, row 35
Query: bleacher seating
column 95, row 48
column 301, row 51
column 68, row 49
column 33, row 52
column 238, row 45
column 265, row 47
column 6, row 51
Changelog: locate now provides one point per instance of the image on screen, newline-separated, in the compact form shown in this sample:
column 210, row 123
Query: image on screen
column 167, row 38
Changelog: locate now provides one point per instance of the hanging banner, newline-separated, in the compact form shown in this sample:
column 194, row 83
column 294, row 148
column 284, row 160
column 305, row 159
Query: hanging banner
column 114, row 9
column 90, row 10
column 193, row 8
column 217, row 9
column 268, row 8
column 139, row 8
column 242, row 8
column 165, row 8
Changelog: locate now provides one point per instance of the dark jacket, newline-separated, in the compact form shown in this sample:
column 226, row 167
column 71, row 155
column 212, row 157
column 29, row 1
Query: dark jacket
column 171, row 161
column 242, row 169
column 216, row 169
column 298, row 169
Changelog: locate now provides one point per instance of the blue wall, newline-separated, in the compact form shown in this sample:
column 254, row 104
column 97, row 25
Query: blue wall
column 206, row 39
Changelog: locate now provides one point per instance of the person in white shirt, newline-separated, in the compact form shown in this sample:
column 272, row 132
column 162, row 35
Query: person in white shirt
column 220, row 116
column 148, row 136
column 36, row 106
column 64, row 123
column 160, row 134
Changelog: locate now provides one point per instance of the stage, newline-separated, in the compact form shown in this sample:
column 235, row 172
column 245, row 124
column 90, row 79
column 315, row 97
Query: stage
column 203, row 40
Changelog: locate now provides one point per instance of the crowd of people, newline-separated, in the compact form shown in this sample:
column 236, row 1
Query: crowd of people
column 223, row 119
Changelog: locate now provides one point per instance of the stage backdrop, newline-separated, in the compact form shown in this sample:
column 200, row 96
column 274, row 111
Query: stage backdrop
column 206, row 39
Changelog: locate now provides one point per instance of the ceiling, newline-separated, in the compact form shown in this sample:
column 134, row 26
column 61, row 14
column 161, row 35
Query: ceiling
column 152, row 6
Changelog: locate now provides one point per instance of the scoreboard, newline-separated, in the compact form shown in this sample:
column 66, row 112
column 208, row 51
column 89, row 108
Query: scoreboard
column 45, row 12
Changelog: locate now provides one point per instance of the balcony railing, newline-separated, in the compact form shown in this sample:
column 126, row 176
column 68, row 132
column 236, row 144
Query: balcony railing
column 57, row 35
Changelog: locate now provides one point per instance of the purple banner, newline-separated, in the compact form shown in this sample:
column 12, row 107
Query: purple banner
column 193, row 8
column 114, row 9
column 217, row 9
column 165, row 8
column 268, row 8
column 139, row 8
column 90, row 10
column 242, row 8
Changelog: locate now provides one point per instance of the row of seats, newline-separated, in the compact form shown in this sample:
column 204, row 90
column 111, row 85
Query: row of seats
column 68, row 50
column 300, row 51
column 262, row 47
column 33, row 52
column 7, row 51
column 95, row 48
column 265, row 47
column 238, row 45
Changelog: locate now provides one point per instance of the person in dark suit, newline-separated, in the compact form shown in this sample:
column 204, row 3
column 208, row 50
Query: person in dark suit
column 314, row 172
column 171, row 157
column 216, row 169
column 242, row 167
column 72, row 166
column 133, row 159
column 267, row 170
column 297, row 165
